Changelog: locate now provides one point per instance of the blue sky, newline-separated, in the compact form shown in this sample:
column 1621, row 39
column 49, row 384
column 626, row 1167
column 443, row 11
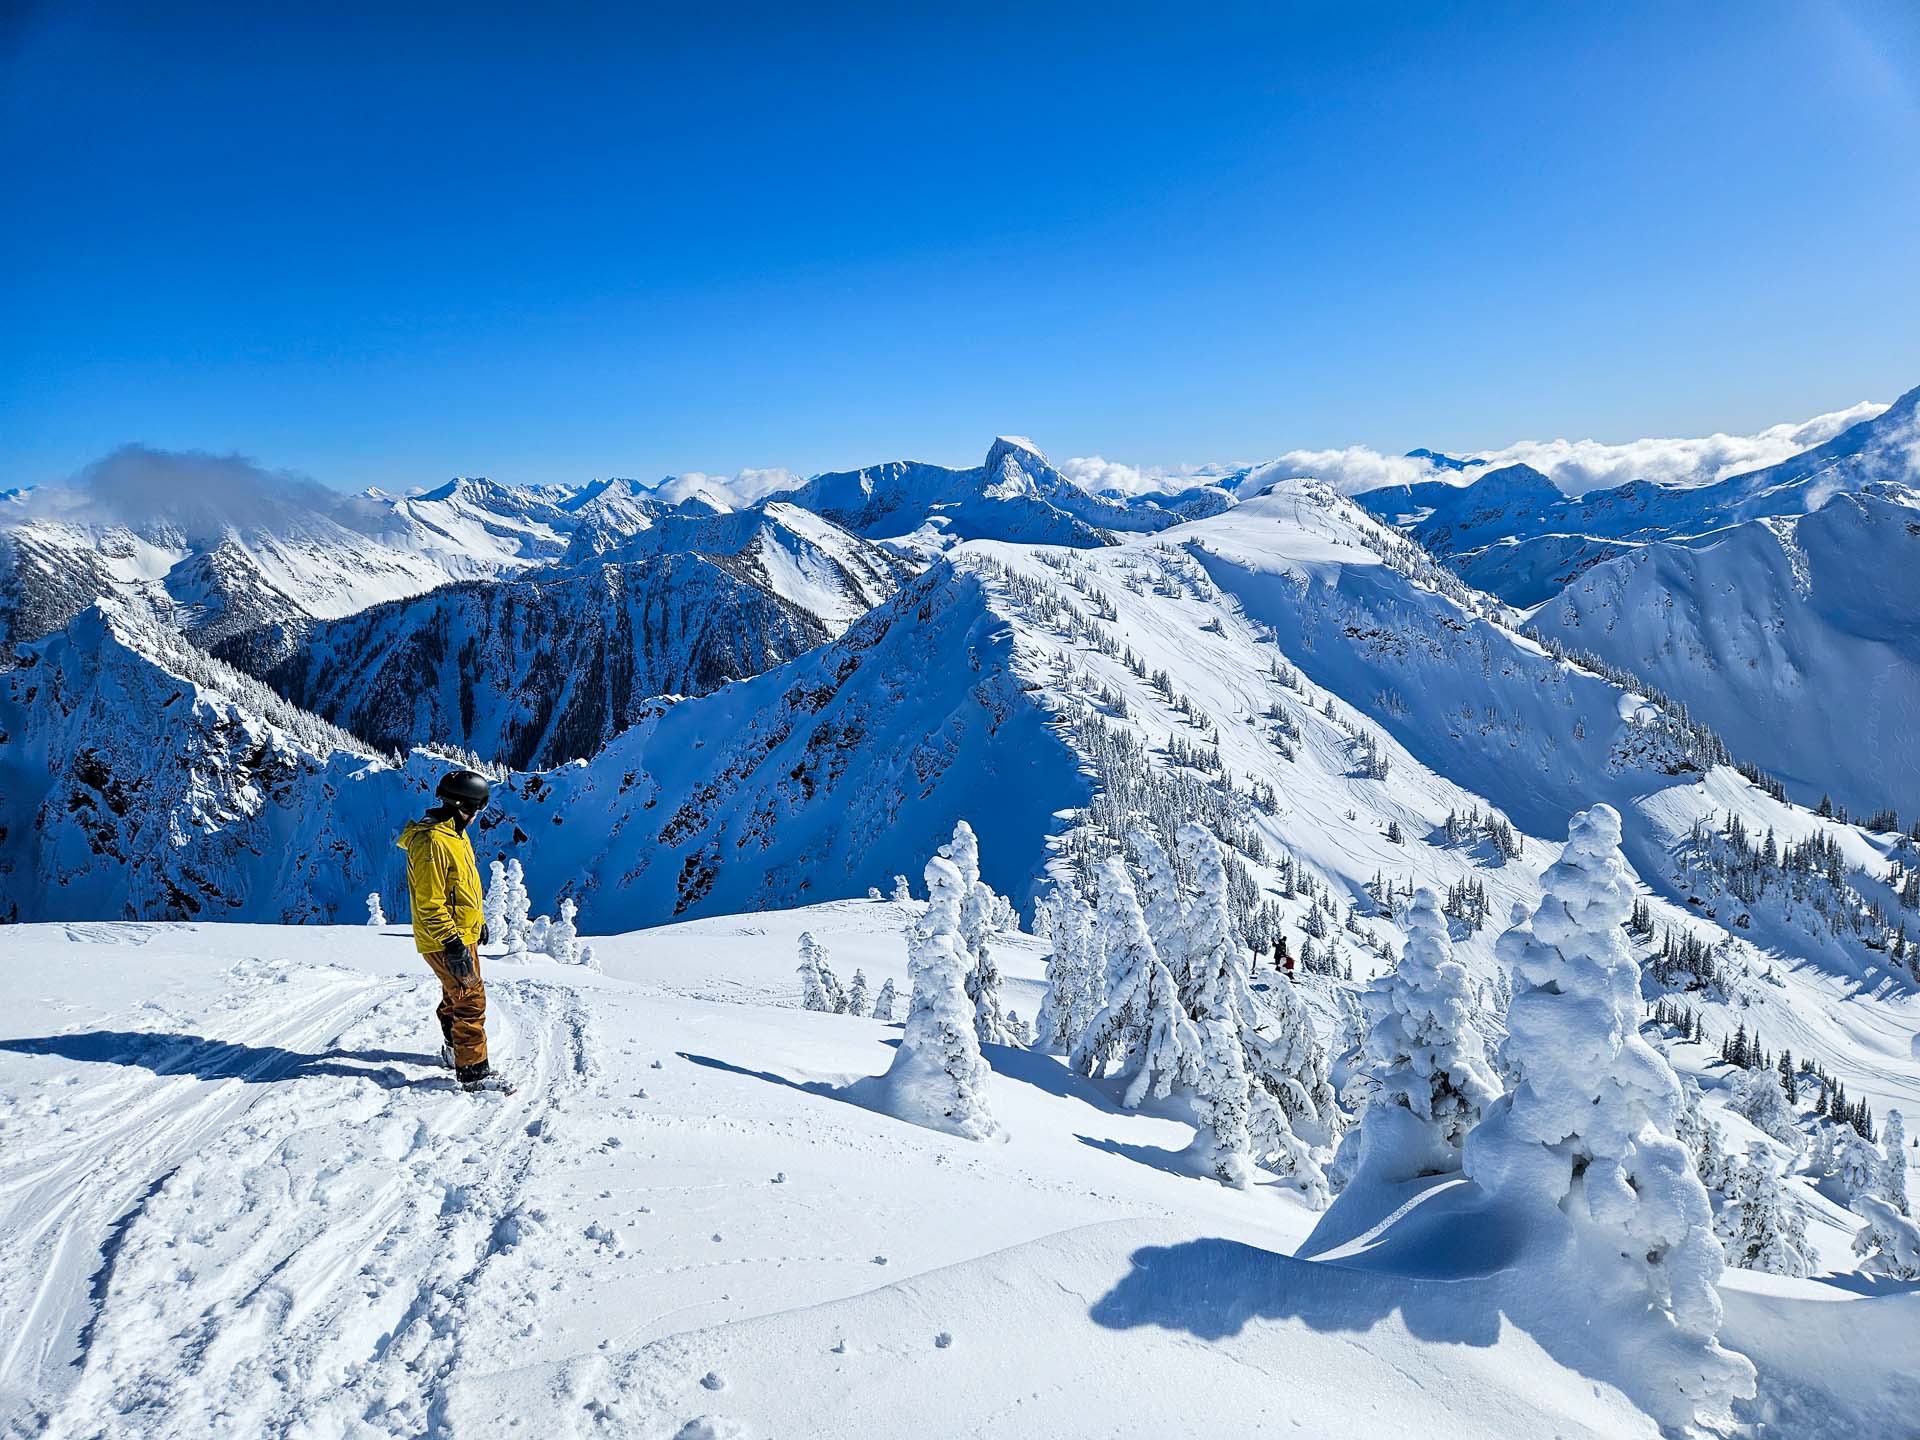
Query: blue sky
column 628, row 241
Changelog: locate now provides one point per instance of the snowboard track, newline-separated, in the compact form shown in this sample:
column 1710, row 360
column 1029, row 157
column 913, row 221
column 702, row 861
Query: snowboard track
column 200, row 1243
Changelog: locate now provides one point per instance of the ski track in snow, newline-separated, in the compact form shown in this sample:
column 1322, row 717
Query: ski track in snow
column 311, row 1256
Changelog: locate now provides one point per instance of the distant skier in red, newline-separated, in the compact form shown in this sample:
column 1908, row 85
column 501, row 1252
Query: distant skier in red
column 1282, row 957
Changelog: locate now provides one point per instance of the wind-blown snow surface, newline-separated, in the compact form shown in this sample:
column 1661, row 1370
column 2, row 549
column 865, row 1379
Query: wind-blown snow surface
column 238, row 1197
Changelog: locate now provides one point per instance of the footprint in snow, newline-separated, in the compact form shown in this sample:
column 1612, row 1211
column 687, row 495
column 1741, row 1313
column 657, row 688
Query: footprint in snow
column 942, row 1340
column 711, row 1427
column 712, row 1381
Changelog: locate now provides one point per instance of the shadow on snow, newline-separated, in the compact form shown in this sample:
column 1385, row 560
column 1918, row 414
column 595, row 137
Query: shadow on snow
column 166, row 1053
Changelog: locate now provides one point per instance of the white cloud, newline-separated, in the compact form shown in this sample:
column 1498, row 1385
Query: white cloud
column 1576, row 466
column 1096, row 473
column 198, row 493
column 735, row 490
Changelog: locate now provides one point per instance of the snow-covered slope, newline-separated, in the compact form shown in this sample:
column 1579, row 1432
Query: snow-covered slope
column 536, row 672
column 142, row 778
column 251, row 580
column 1512, row 532
column 791, row 553
column 547, row 668
column 1798, row 638
column 238, row 1197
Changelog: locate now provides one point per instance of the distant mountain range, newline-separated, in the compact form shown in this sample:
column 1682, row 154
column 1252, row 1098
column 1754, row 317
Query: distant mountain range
column 1778, row 604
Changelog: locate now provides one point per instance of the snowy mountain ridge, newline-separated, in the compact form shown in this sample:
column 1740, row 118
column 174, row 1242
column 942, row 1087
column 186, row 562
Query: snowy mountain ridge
column 1337, row 708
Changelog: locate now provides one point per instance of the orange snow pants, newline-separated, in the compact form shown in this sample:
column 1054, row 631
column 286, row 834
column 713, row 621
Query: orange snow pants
column 462, row 1010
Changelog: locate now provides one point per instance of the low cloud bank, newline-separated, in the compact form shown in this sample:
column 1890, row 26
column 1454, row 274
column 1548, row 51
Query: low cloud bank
column 1576, row 466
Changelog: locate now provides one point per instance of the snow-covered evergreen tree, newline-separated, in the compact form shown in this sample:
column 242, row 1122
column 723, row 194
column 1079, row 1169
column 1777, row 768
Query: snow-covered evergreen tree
column 375, row 915
column 1860, row 1166
column 1220, row 971
column 1163, row 907
column 1759, row 1228
column 563, row 936
column 1759, row 1097
column 1590, row 1128
column 1141, row 1031
column 813, row 989
column 1424, row 1053
column 978, row 911
column 1702, row 1138
column 857, row 999
column 1893, row 1184
column 1889, row 1243
column 937, row 1077
column 1074, row 970
column 902, row 892
column 515, row 907
column 1290, row 1106
column 883, row 1002
column 493, row 904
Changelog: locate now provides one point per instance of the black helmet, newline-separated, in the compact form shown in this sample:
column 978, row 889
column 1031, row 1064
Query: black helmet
column 464, row 787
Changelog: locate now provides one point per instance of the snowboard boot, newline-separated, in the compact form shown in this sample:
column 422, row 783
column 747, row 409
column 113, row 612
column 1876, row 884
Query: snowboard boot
column 482, row 1077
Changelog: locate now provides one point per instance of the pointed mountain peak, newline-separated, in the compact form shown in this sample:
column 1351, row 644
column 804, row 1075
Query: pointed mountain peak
column 1022, row 451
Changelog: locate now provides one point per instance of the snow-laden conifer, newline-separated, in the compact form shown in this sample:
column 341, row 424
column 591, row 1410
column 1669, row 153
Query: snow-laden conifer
column 1163, row 906
column 1291, row 1106
column 1590, row 1127
column 978, row 921
column 1220, row 970
column 1889, row 1243
column 857, row 1000
column 937, row 1077
column 375, row 915
column 813, row 990
column 493, row 904
column 1141, row 1031
column 1424, row 1053
column 1893, row 1182
column 515, row 907
column 563, row 935
column 1759, row 1228
column 1759, row 1096
column 1074, row 969
column 1860, row 1166
column 883, row 1002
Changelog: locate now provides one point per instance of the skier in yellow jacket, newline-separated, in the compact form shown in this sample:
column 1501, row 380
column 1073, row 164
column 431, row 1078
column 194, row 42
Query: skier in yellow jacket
column 444, row 884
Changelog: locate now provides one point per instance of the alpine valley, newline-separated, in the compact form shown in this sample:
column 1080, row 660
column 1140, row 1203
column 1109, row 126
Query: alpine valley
column 714, row 725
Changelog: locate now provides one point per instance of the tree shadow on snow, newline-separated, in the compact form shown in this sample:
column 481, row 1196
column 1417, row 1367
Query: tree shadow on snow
column 1174, row 1162
column 806, row 1087
column 1455, row 1276
column 167, row 1053
column 1045, row 1072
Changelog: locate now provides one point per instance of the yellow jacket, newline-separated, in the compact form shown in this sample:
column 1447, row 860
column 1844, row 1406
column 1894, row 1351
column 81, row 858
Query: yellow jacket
column 444, row 883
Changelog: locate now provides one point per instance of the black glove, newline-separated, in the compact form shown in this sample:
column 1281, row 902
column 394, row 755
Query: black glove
column 486, row 933
column 459, row 960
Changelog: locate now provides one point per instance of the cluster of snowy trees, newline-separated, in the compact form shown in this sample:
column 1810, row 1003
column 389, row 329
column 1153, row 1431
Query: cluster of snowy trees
column 506, row 908
column 1592, row 1123
column 820, row 988
column 1808, row 882
column 1662, row 735
column 1151, row 984
column 1463, row 828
